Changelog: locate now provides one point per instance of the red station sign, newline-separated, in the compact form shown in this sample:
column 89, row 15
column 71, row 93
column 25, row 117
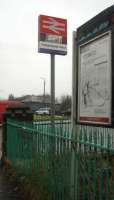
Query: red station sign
column 53, row 25
column 52, row 35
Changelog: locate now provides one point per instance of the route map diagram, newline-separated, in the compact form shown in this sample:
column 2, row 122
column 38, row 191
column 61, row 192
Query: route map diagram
column 95, row 78
column 94, row 92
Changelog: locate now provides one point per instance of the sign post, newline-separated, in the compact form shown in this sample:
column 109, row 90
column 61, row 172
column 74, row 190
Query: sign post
column 52, row 88
column 52, row 39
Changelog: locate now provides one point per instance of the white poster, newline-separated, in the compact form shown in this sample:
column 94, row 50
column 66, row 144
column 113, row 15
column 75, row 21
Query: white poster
column 94, row 81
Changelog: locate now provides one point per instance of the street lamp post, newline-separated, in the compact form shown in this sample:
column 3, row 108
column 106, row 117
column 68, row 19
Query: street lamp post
column 44, row 83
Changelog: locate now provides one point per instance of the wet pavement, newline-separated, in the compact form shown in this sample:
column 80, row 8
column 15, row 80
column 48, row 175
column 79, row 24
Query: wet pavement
column 8, row 191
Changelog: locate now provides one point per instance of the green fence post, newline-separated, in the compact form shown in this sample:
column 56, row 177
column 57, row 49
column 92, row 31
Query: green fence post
column 4, row 138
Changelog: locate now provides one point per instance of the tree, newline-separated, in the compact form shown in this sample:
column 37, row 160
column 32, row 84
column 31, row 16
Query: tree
column 11, row 97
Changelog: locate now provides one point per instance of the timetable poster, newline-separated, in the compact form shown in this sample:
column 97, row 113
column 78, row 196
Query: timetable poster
column 94, row 81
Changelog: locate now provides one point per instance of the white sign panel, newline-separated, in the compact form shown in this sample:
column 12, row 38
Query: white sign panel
column 94, row 81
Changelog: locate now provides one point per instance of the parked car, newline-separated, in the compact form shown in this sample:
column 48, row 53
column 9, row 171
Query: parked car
column 43, row 111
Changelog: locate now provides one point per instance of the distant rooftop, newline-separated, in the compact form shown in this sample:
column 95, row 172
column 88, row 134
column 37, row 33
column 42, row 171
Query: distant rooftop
column 34, row 98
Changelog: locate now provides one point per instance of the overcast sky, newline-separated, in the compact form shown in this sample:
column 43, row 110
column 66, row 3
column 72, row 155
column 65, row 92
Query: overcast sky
column 21, row 66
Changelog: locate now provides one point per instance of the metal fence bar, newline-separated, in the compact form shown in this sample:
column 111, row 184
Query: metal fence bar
column 35, row 149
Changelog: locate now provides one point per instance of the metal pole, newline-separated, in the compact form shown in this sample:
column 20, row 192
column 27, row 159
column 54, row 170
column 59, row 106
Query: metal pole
column 44, row 85
column 52, row 87
column 74, row 162
column 44, row 92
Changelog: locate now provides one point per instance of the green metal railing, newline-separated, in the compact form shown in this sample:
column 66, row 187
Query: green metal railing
column 95, row 163
column 72, row 165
